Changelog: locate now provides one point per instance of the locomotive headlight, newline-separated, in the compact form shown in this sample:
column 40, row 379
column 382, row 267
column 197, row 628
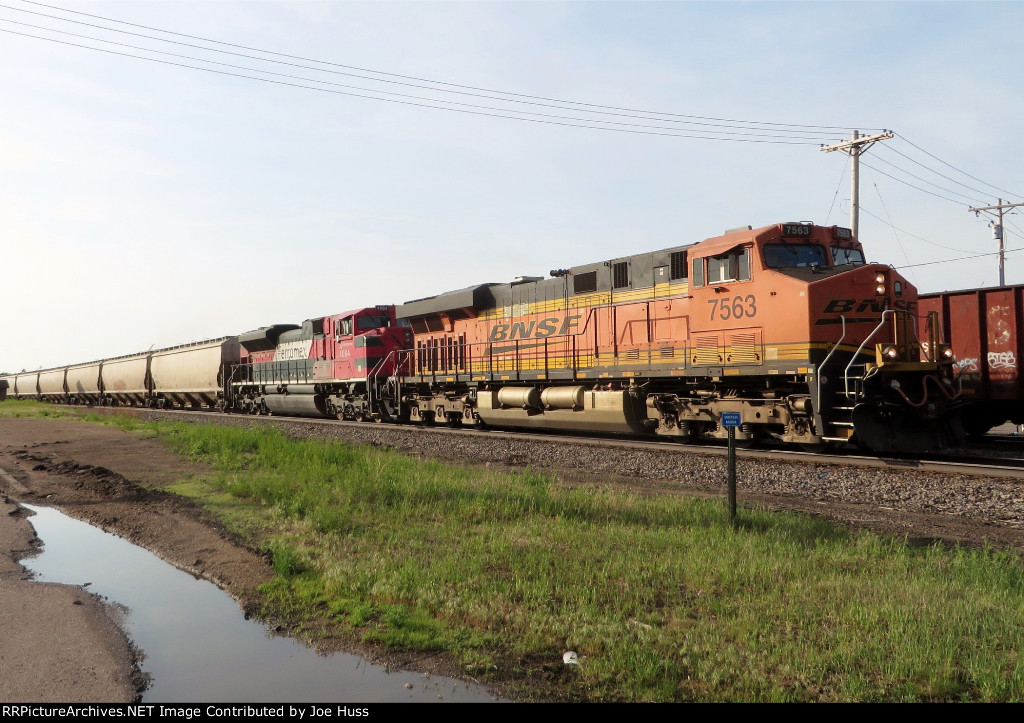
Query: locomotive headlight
column 880, row 284
column 890, row 352
column 945, row 353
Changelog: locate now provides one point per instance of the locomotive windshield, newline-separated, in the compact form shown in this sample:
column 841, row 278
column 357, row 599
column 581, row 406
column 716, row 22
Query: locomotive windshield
column 842, row 255
column 372, row 322
column 783, row 255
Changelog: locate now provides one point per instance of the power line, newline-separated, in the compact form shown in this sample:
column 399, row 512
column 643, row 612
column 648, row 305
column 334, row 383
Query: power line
column 683, row 125
column 838, row 186
column 738, row 124
column 903, row 138
column 775, row 128
column 949, row 261
column 918, row 188
column 383, row 92
column 940, row 175
column 893, row 227
column 923, row 180
column 998, row 211
column 907, row 233
column 761, row 138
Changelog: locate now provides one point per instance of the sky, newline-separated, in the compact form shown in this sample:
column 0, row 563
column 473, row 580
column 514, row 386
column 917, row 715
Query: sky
column 146, row 204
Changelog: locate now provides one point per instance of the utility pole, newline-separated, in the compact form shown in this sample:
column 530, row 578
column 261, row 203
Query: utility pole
column 997, row 231
column 854, row 148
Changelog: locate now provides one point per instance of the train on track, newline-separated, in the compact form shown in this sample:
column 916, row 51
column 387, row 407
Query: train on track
column 787, row 325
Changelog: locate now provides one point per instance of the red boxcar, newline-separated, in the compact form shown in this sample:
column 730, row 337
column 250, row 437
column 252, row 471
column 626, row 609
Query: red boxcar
column 986, row 330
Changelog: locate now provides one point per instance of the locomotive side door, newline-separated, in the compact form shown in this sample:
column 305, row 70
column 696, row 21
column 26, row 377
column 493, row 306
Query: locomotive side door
column 670, row 330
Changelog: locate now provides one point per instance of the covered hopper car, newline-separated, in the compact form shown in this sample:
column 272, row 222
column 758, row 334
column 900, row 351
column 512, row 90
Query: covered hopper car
column 189, row 375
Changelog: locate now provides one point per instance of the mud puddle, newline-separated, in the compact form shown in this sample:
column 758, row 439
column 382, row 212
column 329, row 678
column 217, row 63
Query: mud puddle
column 197, row 645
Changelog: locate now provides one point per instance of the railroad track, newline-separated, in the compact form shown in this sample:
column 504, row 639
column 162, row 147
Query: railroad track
column 969, row 461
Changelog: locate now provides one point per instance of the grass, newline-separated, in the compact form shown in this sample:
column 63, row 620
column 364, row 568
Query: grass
column 662, row 599
column 23, row 408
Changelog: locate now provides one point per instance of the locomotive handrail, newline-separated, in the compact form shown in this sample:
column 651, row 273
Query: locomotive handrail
column 833, row 350
column 846, row 373
column 373, row 374
column 481, row 358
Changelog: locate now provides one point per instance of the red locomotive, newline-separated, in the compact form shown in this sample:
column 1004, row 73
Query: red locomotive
column 335, row 366
column 785, row 325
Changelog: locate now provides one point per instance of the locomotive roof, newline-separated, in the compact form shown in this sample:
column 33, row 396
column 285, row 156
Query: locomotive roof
column 641, row 274
column 265, row 337
column 471, row 297
column 488, row 296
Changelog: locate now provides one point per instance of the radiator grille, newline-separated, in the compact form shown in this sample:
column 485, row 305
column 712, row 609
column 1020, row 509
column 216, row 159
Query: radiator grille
column 705, row 350
column 744, row 349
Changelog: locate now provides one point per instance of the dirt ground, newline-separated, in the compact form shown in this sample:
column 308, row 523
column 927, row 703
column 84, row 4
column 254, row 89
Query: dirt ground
column 91, row 472
column 112, row 479
column 58, row 643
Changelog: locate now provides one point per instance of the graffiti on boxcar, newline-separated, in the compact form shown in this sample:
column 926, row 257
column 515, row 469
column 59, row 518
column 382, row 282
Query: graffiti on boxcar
column 1002, row 360
column 962, row 366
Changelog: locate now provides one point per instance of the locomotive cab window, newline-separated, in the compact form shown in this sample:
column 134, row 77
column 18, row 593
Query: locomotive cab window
column 343, row 327
column 733, row 266
column 842, row 255
column 698, row 273
column 778, row 256
column 372, row 322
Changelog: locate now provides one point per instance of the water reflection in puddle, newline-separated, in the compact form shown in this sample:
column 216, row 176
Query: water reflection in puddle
column 198, row 647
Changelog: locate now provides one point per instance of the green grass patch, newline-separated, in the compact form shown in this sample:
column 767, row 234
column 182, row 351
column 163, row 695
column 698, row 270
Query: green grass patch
column 661, row 597
column 26, row 408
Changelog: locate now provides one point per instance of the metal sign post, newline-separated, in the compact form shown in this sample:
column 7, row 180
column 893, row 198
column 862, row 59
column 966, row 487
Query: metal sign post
column 731, row 420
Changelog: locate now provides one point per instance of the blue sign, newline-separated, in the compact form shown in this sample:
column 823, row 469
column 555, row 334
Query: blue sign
column 731, row 419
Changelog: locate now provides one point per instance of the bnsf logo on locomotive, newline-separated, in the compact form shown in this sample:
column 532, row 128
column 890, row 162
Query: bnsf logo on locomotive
column 845, row 306
column 552, row 326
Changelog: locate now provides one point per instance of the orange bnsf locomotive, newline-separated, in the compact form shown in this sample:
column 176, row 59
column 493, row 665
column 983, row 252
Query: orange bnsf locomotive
column 785, row 325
